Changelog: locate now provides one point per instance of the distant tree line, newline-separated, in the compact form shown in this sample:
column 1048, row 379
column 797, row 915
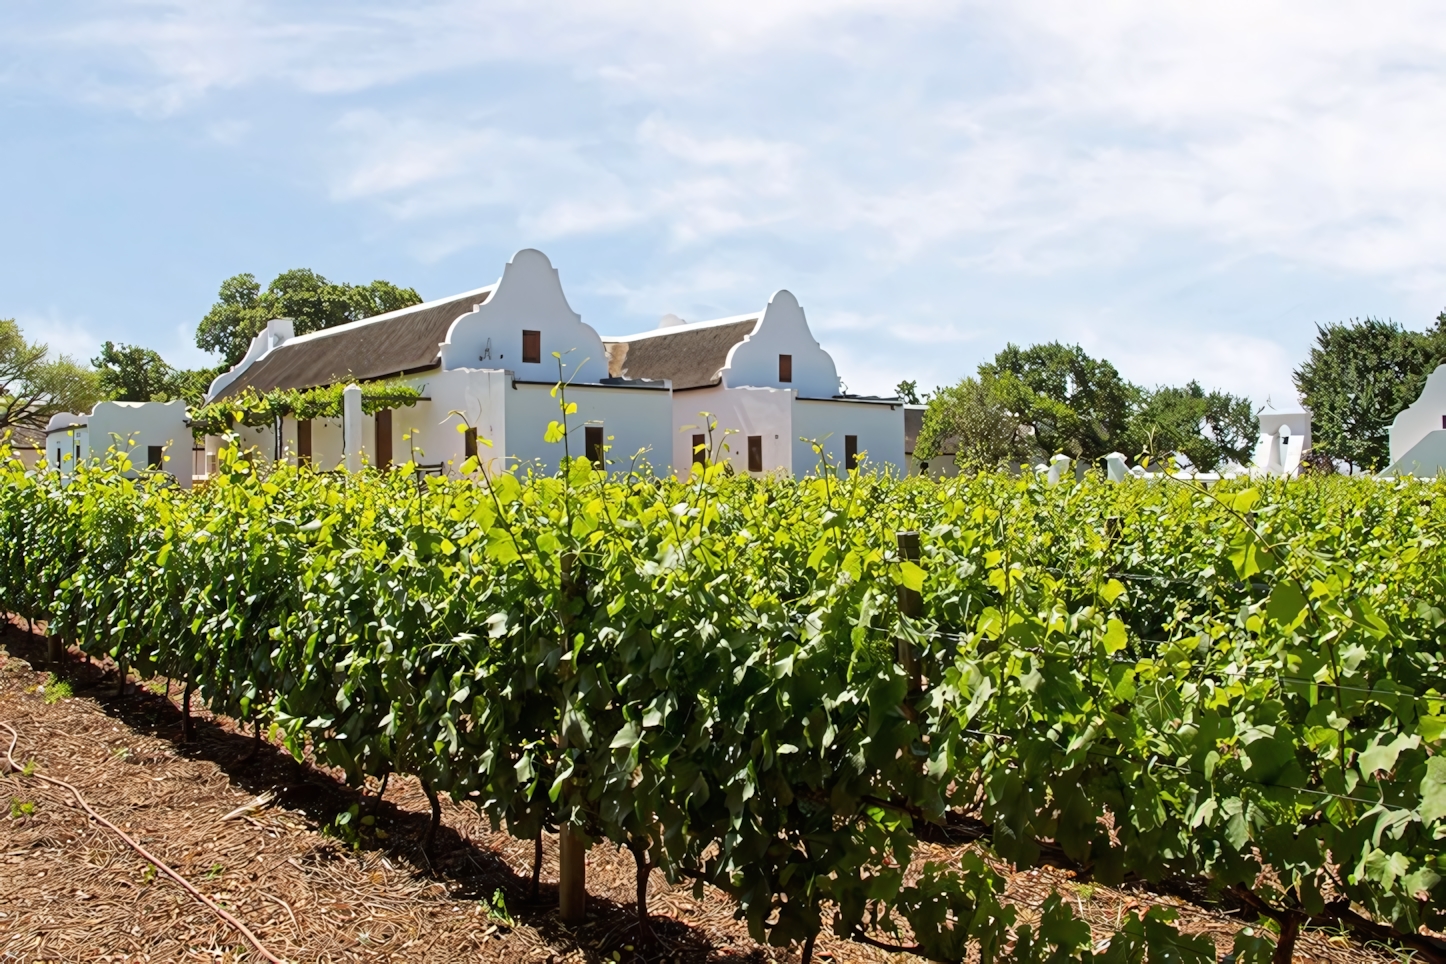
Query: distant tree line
column 1028, row 404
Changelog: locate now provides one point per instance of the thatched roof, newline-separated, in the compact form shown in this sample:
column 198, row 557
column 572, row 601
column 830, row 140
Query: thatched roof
column 406, row 340
column 691, row 355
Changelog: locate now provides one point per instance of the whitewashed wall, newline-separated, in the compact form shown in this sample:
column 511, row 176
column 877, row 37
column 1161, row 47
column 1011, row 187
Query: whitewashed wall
column 530, row 297
column 129, row 427
column 748, row 411
column 878, row 425
column 1417, row 442
column 634, row 418
column 783, row 330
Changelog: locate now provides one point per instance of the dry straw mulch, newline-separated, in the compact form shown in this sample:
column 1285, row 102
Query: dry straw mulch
column 71, row 890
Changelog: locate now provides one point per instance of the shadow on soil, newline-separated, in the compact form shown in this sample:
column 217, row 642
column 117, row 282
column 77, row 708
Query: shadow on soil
column 470, row 872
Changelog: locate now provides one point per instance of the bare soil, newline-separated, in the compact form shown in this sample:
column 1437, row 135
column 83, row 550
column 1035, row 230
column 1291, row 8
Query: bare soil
column 70, row 890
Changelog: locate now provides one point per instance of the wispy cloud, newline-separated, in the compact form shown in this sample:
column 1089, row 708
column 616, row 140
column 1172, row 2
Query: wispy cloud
column 933, row 179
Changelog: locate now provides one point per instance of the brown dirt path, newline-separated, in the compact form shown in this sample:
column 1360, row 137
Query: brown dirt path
column 72, row 891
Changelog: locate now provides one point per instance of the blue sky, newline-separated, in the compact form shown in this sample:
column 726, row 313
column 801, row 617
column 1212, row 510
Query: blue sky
column 1185, row 189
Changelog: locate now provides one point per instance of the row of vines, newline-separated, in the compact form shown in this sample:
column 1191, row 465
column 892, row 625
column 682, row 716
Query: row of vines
column 1240, row 689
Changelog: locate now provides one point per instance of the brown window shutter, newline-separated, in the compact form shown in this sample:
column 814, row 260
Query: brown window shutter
column 531, row 347
column 384, row 438
column 755, row 453
column 155, row 456
column 469, row 443
column 700, row 455
column 303, row 442
column 851, row 451
column 785, row 368
column 593, row 437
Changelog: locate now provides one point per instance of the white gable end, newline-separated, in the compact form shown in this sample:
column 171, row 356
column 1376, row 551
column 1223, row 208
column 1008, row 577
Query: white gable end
column 528, row 298
column 1425, row 415
column 783, row 330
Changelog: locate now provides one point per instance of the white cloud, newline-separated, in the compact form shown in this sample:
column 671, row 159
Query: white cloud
column 931, row 178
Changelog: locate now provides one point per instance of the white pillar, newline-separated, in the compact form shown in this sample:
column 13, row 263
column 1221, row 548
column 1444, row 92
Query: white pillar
column 351, row 426
column 1057, row 467
column 1115, row 467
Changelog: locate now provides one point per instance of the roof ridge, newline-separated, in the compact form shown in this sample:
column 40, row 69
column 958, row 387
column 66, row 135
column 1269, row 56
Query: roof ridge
column 689, row 326
column 385, row 316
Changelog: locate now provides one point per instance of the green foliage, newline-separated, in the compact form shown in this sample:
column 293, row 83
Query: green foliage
column 54, row 690
column 311, row 301
column 1074, row 404
column 258, row 410
column 1359, row 376
column 1208, row 429
column 908, row 391
column 983, row 432
column 1218, row 685
column 1029, row 404
column 34, row 386
column 130, row 373
column 21, row 809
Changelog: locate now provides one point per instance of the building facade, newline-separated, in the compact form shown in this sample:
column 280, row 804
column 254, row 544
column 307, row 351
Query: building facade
column 486, row 361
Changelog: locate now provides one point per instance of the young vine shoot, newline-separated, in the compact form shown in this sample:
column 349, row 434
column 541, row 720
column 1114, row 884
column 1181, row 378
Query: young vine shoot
column 1240, row 688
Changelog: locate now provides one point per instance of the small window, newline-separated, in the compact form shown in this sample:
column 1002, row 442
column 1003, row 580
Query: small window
column 595, row 448
column 469, row 443
column 755, row 453
column 155, row 456
column 303, row 442
column 700, row 449
column 531, row 347
column 785, row 368
column 851, row 452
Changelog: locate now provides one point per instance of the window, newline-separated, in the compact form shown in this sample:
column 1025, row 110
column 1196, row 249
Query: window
column 785, row 368
column 303, row 442
column 469, row 443
column 700, row 449
column 384, row 438
column 593, row 437
column 531, row 347
column 755, row 453
column 155, row 456
column 851, row 452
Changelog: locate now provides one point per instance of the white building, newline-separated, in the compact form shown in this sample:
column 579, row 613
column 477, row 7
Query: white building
column 769, row 386
column 1284, row 438
column 1418, row 434
column 483, row 359
column 155, row 436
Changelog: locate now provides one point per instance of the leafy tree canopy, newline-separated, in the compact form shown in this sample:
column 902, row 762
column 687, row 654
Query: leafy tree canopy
column 984, row 433
column 34, row 386
column 1074, row 404
column 1359, row 376
column 1030, row 403
column 1208, row 429
column 908, row 391
column 130, row 373
column 243, row 309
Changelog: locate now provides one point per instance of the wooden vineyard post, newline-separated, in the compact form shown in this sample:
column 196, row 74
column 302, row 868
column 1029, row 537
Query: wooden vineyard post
column 572, row 855
column 911, row 604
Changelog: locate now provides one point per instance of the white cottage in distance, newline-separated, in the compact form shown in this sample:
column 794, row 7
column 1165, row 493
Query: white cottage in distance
column 763, row 378
column 483, row 359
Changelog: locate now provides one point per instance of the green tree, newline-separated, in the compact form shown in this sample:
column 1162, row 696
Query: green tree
column 130, row 373
column 1207, row 428
column 1360, row 374
column 908, row 391
column 985, row 434
column 34, row 386
column 1074, row 404
column 310, row 300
